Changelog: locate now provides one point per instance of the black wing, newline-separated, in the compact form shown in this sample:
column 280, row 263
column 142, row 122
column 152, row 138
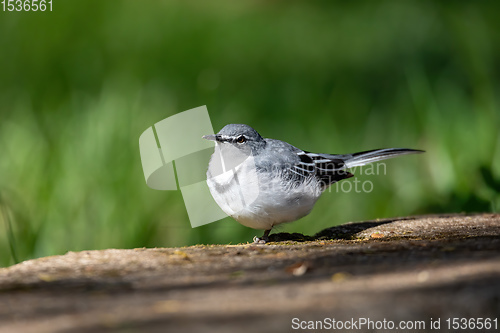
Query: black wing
column 326, row 170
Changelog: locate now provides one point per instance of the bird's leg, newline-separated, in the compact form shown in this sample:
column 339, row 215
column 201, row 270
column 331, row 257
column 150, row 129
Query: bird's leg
column 264, row 239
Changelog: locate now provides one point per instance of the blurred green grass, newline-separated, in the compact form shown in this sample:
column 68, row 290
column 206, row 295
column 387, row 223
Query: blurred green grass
column 80, row 84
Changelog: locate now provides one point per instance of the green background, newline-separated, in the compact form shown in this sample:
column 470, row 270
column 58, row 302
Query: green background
column 78, row 86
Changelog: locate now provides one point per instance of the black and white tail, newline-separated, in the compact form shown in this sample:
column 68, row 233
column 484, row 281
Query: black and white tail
column 333, row 168
column 370, row 156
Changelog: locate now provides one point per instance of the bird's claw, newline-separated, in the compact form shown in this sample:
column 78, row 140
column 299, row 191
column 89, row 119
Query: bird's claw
column 257, row 240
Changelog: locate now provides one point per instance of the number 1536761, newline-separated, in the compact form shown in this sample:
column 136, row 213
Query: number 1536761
column 26, row 5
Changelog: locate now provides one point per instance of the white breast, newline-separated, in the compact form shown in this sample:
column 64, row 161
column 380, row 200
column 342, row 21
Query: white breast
column 261, row 201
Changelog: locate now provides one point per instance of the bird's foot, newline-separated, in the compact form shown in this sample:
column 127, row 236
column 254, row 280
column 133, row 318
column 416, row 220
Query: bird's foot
column 262, row 240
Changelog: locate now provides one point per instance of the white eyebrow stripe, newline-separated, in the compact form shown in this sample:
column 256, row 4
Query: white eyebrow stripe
column 322, row 161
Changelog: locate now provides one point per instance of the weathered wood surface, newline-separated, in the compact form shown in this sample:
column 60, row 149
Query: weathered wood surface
column 399, row 269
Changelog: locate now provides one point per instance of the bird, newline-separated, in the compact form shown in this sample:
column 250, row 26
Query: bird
column 262, row 182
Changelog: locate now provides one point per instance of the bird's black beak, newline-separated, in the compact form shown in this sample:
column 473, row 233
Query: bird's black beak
column 211, row 137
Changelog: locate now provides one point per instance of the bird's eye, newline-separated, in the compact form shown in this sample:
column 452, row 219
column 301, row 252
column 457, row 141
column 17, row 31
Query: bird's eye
column 241, row 139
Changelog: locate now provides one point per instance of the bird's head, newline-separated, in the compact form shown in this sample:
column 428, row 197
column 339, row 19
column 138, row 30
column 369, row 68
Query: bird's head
column 240, row 136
